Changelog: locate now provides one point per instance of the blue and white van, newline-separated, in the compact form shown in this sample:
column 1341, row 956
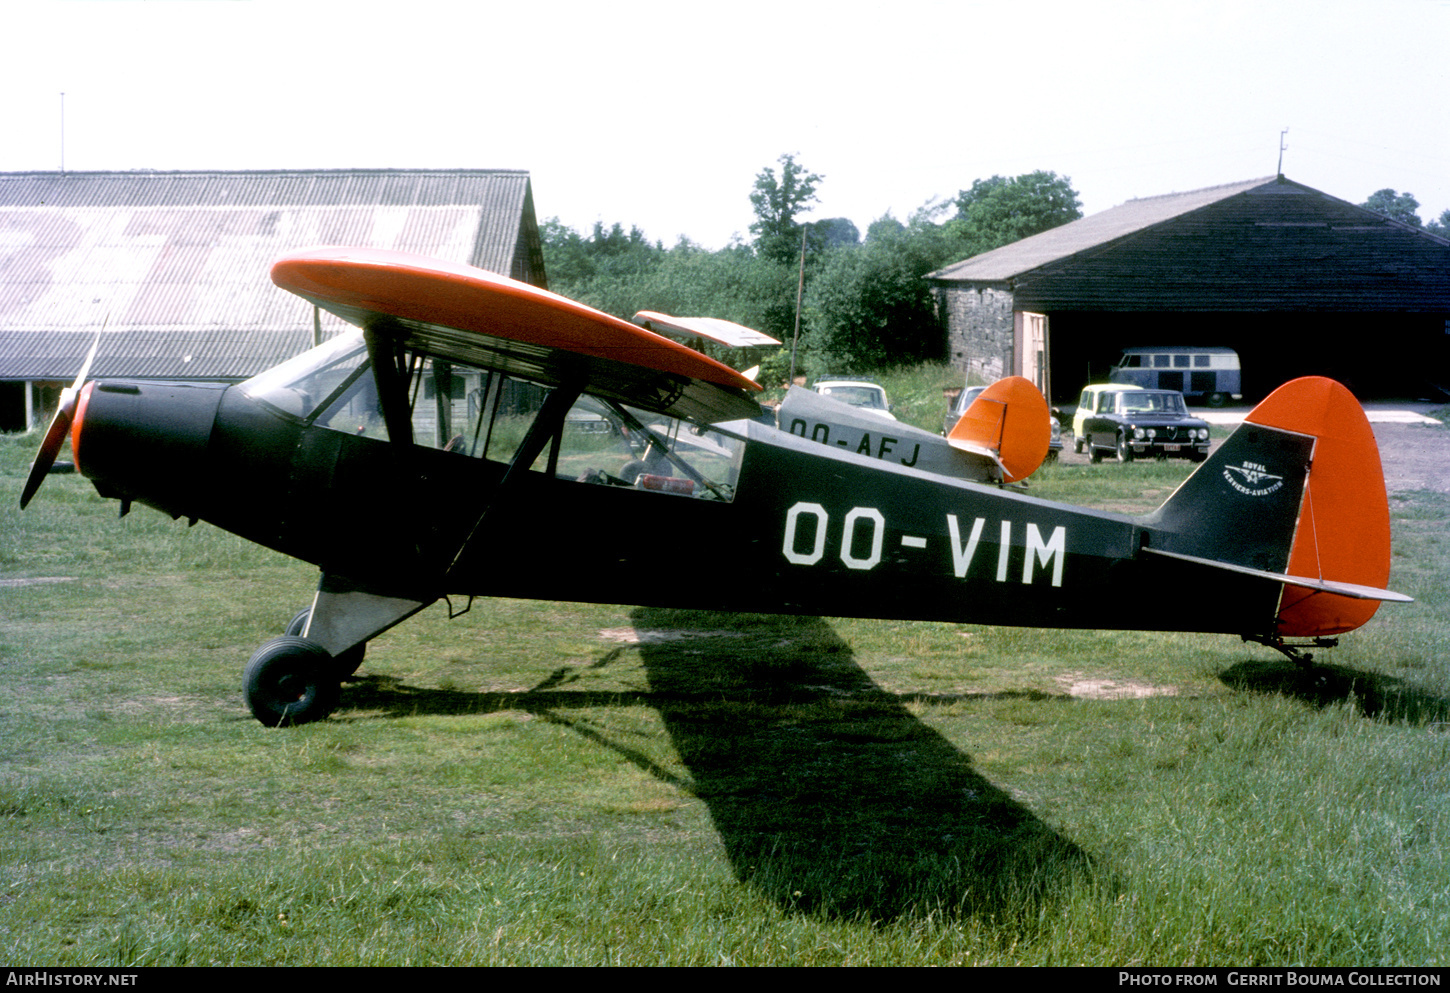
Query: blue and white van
column 1210, row 373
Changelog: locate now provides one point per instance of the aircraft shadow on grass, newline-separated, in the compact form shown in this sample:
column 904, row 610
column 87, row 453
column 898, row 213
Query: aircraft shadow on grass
column 1370, row 693
column 829, row 795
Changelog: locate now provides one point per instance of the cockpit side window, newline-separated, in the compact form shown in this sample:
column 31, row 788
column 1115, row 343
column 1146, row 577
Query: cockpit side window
column 483, row 413
column 610, row 444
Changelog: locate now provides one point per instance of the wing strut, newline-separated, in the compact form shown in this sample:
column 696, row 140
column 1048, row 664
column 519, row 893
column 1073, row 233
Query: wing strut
column 386, row 356
column 545, row 427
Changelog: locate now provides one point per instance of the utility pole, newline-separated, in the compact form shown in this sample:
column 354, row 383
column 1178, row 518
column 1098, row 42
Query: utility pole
column 799, row 290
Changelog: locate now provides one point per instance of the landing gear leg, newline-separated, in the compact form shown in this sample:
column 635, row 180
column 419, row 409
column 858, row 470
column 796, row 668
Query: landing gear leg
column 1294, row 653
column 345, row 663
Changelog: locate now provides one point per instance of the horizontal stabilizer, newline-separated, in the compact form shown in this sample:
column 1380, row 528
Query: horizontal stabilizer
column 1353, row 590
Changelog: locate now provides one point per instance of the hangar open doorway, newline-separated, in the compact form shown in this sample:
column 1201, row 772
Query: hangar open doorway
column 1379, row 356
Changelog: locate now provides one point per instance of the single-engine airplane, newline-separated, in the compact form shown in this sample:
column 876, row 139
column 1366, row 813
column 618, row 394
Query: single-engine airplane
column 482, row 437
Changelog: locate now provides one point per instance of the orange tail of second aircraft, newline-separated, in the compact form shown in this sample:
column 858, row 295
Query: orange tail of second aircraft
column 1010, row 423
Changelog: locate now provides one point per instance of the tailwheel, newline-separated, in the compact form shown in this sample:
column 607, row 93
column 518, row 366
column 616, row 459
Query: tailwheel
column 1293, row 652
column 343, row 665
column 289, row 680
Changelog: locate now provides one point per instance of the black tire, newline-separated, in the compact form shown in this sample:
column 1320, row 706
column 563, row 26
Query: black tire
column 343, row 665
column 1077, row 444
column 1195, row 455
column 1125, row 450
column 298, row 624
column 289, row 680
column 1095, row 454
column 1217, row 399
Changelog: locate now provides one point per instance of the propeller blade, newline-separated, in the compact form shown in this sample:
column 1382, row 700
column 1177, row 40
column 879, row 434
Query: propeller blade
column 59, row 425
column 75, row 387
column 50, row 447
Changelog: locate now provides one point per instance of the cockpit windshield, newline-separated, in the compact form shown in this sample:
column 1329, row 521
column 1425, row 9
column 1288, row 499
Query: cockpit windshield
column 858, row 396
column 1146, row 401
column 296, row 386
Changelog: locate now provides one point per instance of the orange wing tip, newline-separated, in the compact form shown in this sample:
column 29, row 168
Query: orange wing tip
column 1011, row 420
column 1343, row 535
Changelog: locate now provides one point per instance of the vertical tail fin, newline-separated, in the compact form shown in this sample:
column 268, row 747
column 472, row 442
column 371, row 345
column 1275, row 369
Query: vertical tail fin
column 1010, row 423
column 1297, row 491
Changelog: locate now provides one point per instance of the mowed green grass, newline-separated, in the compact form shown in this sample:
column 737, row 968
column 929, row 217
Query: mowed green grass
column 544, row 783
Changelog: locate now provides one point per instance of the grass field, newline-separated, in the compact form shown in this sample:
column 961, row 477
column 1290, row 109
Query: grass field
column 543, row 783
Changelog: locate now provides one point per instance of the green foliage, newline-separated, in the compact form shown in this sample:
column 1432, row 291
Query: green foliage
column 580, row 267
column 1441, row 226
column 834, row 232
column 867, row 303
column 998, row 211
column 884, row 226
column 733, row 284
column 1397, row 206
column 778, row 202
column 870, row 306
column 917, row 392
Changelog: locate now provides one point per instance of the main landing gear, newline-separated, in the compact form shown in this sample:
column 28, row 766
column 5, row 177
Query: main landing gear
column 297, row 678
column 291, row 680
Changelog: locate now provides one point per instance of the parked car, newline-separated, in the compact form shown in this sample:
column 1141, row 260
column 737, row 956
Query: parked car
column 1087, row 405
column 1134, row 423
column 858, row 392
column 1211, row 374
column 964, row 400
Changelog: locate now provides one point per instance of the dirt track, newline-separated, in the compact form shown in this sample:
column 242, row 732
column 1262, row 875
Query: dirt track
column 1415, row 457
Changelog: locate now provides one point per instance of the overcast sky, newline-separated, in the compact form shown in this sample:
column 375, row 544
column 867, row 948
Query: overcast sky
column 661, row 115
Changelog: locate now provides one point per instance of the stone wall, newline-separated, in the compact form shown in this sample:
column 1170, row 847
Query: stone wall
column 978, row 321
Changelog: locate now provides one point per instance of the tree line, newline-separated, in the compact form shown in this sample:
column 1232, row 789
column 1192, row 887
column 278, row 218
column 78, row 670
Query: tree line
column 865, row 303
column 1405, row 208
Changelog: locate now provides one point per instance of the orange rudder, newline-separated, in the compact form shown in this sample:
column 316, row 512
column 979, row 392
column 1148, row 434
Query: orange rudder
column 1343, row 532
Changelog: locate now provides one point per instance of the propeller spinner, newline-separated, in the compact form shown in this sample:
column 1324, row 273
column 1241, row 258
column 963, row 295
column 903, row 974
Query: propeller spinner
column 59, row 425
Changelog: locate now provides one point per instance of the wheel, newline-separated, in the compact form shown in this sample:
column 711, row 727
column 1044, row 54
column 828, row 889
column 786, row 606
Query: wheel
column 289, row 680
column 1077, row 444
column 1194, row 455
column 1217, row 399
column 1095, row 454
column 1125, row 450
column 343, row 665
column 298, row 624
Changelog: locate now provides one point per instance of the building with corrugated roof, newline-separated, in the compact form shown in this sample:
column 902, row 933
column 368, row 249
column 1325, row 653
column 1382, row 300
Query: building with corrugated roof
column 1296, row 281
column 175, row 264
